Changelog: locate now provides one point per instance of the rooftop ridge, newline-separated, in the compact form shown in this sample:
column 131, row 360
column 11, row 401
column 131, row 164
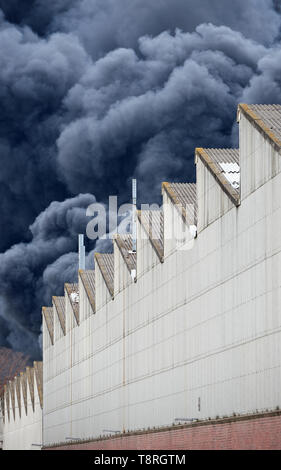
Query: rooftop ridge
column 73, row 288
column 183, row 195
column 7, row 398
column 30, row 380
column 263, row 117
column 13, row 398
column 106, row 264
column 18, row 392
column 18, row 385
column 211, row 163
column 125, row 244
column 157, row 244
column 48, row 314
column 88, row 281
column 38, row 369
column 23, row 379
column 59, row 303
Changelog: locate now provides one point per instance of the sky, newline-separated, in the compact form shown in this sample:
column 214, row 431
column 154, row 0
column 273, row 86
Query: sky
column 95, row 92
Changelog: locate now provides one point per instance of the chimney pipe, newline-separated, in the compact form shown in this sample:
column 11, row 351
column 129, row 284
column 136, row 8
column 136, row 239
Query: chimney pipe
column 82, row 261
column 134, row 215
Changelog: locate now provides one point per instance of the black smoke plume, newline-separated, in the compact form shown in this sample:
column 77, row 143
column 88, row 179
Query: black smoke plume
column 94, row 92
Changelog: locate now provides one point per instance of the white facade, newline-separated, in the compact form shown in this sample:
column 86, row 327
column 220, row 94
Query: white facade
column 196, row 336
column 22, row 427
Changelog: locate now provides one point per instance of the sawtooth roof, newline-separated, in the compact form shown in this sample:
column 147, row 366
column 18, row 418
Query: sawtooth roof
column 30, row 380
column 32, row 377
column 184, row 196
column 38, row 369
column 7, row 398
column 59, row 303
column 73, row 289
column 106, row 264
column 89, row 283
column 18, row 391
column 267, row 120
column 125, row 245
column 13, row 397
column 23, row 378
column 48, row 314
column 153, row 224
column 224, row 166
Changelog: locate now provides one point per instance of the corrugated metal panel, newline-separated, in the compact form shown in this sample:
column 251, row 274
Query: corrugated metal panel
column 7, row 397
column 215, row 160
column 24, row 389
column 184, row 196
column 232, row 173
column 125, row 245
column 18, row 392
column 224, row 155
column 153, row 224
column 30, row 380
column 230, row 167
column 270, row 115
column 267, row 119
column 13, row 397
column 73, row 293
column 60, row 307
column 88, row 279
column 106, row 265
column 48, row 314
column 38, row 369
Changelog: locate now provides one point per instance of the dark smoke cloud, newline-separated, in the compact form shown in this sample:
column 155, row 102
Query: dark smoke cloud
column 108, row 24
column 104, row 25
column 36, row 74
column 28, row 269
column 95, row 91
column 183, row 90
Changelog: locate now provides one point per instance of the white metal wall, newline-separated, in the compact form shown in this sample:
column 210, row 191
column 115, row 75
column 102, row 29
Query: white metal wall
column 24, row 430
column 196, row 337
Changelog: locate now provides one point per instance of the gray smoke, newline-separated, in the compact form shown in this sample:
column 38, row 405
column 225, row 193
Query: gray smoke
column 28, row 270
column 94, row 92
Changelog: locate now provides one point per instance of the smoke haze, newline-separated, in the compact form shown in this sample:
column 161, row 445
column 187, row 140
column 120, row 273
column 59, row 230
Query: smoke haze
column 94, row 92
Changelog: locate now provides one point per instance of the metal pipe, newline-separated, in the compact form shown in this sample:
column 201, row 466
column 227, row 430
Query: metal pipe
column 82, row 262
column 134, row 214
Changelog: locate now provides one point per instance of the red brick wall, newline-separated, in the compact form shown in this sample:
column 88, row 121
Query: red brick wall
column 252, row 432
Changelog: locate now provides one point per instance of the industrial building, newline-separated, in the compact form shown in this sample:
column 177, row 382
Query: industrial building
column 22, row 405
column 11, row 364
column 179, row 341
